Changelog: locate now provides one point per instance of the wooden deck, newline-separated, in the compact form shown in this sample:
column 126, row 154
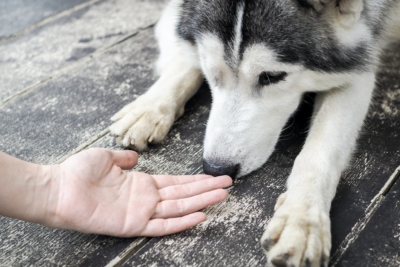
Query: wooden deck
column 67, row 66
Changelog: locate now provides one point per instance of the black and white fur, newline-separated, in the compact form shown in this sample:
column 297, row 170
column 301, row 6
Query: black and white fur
column 259, row 57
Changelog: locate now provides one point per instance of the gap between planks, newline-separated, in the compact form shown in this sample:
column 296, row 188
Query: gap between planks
column 362, row 222
column 128, row 252
column 83, row 146
column 350, row 238
column 48, row 20
column 75, row 65
column 136, row 245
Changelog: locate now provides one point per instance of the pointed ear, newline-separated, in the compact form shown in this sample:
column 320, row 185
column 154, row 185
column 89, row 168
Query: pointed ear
column 346, row 12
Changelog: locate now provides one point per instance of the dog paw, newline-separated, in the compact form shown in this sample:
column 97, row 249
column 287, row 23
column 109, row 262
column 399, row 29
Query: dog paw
column 143, row 121
column 298, row 235
column 280, row 201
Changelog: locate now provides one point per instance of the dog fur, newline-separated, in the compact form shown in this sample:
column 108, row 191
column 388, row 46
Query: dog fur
column 259, row 58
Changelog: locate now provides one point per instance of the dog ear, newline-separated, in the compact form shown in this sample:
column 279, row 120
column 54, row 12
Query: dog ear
column 346, row 12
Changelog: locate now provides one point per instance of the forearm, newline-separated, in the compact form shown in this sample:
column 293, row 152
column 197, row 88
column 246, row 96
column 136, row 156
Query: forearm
column 338, row 117
column 25, row 190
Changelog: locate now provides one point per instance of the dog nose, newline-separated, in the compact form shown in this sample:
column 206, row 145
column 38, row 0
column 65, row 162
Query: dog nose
column 218, row 169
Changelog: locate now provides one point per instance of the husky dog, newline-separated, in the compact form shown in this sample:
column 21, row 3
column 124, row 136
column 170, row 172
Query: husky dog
column 259, row 57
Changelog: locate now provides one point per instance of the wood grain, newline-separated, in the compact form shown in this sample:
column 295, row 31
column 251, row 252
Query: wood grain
column 52, row 120
column 37, row 56
column 17, row 15
column 231, row 235
column 181, row 153
column 49, row 122
column 379, row 242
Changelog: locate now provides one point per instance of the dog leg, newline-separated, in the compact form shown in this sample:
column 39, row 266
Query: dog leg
column 149, row 118
column 299, row 232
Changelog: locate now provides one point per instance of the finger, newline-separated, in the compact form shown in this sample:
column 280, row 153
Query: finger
column 160, row 227
column 126, row 159
column 194, row 188
column 168, row 180
column 181, row 207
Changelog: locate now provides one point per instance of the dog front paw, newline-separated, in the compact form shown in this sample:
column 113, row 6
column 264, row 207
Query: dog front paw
column 298, row 235
column 146, row 120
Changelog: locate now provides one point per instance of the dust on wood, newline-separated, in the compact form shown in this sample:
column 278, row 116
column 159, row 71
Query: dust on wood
column 53, row 120
column 43, row 52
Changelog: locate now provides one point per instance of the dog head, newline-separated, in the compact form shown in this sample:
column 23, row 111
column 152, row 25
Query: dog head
column 259, row 57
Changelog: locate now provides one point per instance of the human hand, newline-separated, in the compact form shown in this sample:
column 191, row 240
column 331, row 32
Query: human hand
column 95, row 195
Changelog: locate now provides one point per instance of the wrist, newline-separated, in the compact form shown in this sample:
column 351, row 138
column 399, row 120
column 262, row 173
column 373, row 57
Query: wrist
column 308, row 197
column 46, row 195
column 28, row 191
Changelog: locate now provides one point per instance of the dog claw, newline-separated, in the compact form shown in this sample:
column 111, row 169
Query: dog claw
column 267, row 244
column 279, row 262
column 280, row 201
column 324, row 261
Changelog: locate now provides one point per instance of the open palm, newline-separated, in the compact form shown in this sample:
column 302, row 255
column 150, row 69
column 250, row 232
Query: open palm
column 95, row 195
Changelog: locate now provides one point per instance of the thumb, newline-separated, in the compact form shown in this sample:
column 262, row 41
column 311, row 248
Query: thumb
column 125, row 159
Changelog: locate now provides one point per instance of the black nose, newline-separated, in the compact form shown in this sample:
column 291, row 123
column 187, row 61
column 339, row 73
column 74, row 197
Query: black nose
column 218, row 169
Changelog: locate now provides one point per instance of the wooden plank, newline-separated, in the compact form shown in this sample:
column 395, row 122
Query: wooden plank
column 79, row 100
column 378, row 152
column 18, row 15
column 28, row 60
column 115, row 254
column 180, row 153
column 231, row 234
column 379, row 242
column 51, row 121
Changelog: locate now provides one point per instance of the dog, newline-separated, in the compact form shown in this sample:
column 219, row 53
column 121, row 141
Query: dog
column 259, row 58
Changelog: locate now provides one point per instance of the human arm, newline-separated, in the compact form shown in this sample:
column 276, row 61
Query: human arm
column 25, row 188
column 90, row 193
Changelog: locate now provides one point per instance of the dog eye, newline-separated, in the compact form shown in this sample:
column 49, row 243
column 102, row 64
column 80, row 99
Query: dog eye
column 267, row 78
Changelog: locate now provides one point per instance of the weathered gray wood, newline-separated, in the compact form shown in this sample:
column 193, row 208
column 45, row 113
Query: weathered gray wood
column 16, row 15
column 179, row 154
column 378, row 152
column 42, row 53
column 25, row 244
column 231, row 235
column 52, row 120
column 379, row 242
